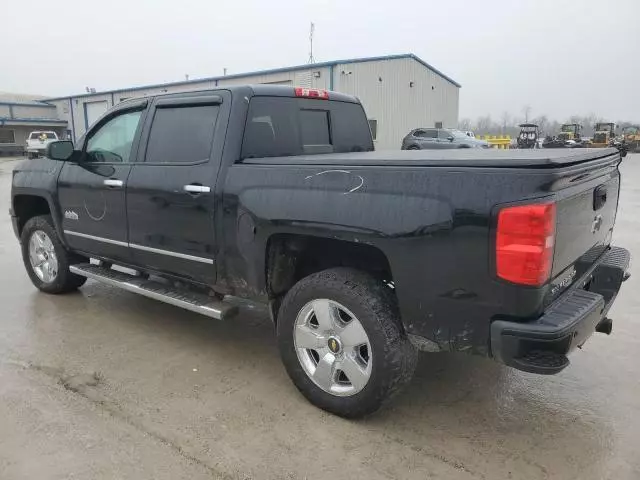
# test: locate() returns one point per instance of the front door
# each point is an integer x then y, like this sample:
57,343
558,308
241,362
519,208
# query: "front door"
170,192
92,191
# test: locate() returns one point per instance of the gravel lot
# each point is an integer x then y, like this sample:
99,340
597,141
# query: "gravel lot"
104,384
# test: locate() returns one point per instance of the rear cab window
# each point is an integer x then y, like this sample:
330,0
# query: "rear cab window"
287,126
39,135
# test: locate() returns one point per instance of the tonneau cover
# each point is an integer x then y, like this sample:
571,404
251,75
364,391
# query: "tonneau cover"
463,157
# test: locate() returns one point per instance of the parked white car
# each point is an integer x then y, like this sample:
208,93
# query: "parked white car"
37,142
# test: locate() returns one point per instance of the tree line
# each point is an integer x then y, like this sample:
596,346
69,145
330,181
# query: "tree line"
507,124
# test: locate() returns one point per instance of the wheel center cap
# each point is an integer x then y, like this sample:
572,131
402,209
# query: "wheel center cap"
334,345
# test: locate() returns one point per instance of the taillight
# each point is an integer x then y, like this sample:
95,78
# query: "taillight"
312,93
524,243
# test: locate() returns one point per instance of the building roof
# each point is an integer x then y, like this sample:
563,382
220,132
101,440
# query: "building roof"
23,99
274,70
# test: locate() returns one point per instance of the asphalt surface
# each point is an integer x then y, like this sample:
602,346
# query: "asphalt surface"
104,384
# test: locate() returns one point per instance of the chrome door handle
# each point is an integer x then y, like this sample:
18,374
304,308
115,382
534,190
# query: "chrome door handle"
113,182
196,189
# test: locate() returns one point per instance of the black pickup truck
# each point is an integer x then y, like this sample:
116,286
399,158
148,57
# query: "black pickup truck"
276,194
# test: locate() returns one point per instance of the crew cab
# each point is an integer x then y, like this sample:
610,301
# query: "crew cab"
275,194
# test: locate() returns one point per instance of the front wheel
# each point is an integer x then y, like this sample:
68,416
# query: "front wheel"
45,258
342,342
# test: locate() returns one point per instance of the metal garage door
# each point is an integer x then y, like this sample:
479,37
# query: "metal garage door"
93,111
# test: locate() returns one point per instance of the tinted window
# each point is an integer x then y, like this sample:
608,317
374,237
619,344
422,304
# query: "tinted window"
34,135
182,134
314,127
373,126
7,136
284,126
444,134
426,133
112,141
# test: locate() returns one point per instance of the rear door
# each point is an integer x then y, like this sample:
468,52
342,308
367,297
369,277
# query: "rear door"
170,202
92,192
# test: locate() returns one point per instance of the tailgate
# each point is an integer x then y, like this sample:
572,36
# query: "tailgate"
584,226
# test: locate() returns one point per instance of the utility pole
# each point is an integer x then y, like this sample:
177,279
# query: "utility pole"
311,30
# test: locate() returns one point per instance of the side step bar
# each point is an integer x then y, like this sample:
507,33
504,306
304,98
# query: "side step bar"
193,301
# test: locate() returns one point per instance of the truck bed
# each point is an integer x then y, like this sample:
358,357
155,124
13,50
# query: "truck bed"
463,157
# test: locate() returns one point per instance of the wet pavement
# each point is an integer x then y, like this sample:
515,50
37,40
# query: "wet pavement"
105,384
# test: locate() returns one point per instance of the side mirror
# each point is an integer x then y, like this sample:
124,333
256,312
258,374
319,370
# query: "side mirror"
450,138
61,150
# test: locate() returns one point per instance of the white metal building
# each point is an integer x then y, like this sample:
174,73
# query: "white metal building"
22,114
399,93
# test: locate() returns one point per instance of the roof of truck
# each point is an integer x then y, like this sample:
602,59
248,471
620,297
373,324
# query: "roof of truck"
261,90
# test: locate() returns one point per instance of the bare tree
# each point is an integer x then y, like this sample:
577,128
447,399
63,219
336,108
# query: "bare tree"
543,122
464,124
506,121
484,124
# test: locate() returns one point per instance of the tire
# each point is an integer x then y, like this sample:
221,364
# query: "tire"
63,280
390,362
413,147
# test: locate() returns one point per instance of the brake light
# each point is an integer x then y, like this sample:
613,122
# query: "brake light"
312,93
524,243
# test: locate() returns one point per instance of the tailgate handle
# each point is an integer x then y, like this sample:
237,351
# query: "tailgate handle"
599,197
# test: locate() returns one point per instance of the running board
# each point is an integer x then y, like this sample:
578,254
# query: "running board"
193,301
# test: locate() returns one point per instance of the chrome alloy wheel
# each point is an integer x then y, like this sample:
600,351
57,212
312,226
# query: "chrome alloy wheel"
332,347
42,256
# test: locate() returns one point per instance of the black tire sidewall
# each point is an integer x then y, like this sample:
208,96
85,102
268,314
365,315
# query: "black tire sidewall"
374,305
65,281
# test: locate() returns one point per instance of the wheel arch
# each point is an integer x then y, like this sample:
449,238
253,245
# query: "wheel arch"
26,206
291,257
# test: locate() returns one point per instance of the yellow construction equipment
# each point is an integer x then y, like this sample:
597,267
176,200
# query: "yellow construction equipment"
603,135
631,137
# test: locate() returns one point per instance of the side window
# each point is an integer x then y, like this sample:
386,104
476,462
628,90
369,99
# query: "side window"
182,134
373,126
112,142
429,133
444,134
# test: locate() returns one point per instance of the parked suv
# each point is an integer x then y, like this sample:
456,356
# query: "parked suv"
37,142
440,138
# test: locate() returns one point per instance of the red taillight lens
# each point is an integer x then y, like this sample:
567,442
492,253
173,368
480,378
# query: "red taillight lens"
312,93
524,243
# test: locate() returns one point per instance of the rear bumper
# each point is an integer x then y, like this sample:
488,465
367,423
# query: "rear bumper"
541,346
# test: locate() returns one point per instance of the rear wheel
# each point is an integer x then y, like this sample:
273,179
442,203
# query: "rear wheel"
45,258
342,343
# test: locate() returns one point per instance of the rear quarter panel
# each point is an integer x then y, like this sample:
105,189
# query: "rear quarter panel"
433,224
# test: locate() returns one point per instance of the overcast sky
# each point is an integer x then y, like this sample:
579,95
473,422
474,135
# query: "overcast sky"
560,57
